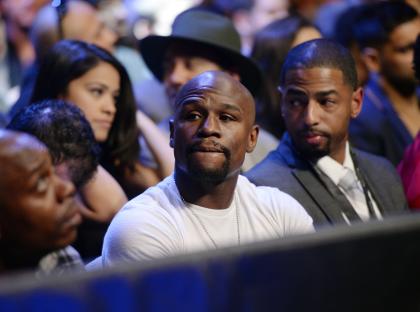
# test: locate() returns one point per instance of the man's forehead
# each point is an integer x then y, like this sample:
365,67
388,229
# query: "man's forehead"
22,151
214,83
217,80
315,75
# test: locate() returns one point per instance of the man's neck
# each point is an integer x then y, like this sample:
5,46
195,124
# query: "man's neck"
206,194
396,95
406,106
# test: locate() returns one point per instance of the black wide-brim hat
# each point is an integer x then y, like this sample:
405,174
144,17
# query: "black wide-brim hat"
212,31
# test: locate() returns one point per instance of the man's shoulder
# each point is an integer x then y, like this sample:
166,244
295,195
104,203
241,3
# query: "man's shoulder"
60,261
155,199
268,171
372,161
261,192
270,203
378,169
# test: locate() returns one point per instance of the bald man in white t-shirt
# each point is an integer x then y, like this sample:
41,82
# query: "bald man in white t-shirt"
205,204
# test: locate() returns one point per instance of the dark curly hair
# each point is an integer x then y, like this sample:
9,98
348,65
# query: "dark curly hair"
63,128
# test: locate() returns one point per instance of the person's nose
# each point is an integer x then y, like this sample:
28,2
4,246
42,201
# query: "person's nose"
312,112
109,106
210,127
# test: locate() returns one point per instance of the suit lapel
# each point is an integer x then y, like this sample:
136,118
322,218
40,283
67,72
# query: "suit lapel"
320,195
325,194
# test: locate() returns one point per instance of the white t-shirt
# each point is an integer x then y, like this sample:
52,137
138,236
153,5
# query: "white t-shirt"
158,222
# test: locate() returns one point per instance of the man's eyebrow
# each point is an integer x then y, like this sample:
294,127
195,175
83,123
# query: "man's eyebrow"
228,106
326,93
293,91
34,172
40,165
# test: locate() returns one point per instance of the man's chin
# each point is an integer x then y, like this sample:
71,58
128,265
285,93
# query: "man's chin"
208,174
313,152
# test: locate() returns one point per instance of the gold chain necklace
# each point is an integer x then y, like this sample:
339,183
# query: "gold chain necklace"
205,228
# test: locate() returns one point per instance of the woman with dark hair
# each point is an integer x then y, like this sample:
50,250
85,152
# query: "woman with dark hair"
271,46
96,82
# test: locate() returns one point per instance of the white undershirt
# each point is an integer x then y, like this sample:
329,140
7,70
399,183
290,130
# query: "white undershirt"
159,223
335,171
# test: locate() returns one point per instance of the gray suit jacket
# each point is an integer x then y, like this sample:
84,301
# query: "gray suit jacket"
285,169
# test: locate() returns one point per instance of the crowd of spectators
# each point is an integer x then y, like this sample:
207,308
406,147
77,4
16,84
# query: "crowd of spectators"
248,120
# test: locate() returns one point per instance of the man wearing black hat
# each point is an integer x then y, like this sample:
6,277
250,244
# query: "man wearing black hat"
202,41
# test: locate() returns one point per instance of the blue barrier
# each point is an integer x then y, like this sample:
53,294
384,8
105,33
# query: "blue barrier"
368,267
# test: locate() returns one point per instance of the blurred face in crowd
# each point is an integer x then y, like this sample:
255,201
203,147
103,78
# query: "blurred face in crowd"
181,64
396,57
305,34
213,127
21,12
317,105
82,22
96,93
38,209
266,11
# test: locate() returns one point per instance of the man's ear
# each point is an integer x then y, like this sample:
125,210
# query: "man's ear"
171,129
370,56
235,75
281,93
356,102
253,138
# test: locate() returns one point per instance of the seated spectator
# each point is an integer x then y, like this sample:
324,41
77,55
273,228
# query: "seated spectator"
38,212
390,117
205,204
69,138
409,167
314,161
92,79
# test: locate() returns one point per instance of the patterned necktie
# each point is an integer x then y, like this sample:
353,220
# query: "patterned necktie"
351,188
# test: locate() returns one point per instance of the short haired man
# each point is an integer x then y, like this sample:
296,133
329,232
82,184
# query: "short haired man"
65,131
314,162
390,117
202,41
38,213
206,204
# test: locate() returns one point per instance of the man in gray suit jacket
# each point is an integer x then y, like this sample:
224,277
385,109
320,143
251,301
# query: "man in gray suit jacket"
314,162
